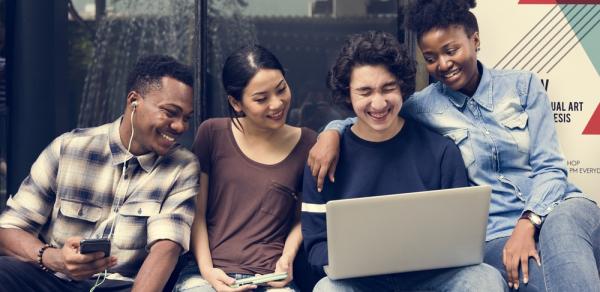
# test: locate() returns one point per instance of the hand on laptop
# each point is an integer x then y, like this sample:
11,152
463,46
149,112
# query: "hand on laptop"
284,264
220,281
517,251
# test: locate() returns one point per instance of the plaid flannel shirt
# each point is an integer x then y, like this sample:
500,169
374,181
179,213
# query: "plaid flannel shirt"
73,183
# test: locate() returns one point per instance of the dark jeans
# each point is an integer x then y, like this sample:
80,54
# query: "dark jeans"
16,275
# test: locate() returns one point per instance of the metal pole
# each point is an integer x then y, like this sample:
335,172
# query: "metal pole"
201,63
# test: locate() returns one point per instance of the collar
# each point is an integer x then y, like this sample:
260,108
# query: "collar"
119,153
483,95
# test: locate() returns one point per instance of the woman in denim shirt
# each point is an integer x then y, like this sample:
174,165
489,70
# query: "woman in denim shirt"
542,232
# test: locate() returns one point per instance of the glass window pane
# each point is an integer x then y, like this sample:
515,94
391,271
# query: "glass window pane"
306,37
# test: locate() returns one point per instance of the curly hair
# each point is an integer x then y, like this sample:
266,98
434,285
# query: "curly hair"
424,15
149,70
371,48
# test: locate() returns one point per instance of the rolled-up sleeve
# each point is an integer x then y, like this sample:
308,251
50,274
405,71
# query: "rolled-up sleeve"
30,208
175,218
340,125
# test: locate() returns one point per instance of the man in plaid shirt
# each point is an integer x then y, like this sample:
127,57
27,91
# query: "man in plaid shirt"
86,184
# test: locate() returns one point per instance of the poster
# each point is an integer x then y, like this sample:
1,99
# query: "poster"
560,42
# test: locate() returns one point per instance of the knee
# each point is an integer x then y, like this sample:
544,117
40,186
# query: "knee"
483,277
192,283
572,215
325,285
575,209
12,269
10,264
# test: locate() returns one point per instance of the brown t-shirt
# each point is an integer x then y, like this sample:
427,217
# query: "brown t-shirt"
251,206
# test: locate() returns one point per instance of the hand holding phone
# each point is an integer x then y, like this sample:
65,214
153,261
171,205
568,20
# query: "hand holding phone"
262,279
95,245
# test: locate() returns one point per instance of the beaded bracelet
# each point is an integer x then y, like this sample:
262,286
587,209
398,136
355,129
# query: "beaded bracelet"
39,257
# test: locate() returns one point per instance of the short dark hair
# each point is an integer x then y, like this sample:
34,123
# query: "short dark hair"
241,66
424,15
148,71
371,48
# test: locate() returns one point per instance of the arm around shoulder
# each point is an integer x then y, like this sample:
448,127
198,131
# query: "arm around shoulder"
454,173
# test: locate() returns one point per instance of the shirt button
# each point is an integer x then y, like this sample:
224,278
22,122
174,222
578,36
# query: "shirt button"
140,211
501,177
125,177
487,132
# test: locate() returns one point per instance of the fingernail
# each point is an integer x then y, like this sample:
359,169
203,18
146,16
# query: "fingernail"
509,285
517,286
525,280
319,190
333,179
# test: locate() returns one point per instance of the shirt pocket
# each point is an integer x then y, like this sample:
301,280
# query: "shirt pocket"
131,230
75,219
461,139
517,127
279,202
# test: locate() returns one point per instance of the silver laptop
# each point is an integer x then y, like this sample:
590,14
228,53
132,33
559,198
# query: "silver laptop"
406,232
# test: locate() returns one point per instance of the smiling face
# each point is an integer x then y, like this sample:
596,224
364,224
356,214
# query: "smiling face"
161,116
451,57
265,100
376,100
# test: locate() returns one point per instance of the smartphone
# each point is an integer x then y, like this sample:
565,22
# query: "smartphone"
260,279
95,245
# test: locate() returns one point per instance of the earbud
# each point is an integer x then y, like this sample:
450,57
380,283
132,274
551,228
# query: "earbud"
134,104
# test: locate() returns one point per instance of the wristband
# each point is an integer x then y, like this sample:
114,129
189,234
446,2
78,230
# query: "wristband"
39,257
535,219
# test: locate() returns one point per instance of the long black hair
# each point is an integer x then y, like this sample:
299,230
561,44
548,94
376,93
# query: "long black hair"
240,67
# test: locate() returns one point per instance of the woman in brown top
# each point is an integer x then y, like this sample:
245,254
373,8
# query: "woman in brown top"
247,219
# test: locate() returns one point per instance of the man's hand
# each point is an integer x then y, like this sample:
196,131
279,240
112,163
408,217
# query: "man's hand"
323,157
220,281
74,265
284,264
517,251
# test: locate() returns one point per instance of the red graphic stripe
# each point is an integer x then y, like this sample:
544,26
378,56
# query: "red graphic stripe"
559,1
593,126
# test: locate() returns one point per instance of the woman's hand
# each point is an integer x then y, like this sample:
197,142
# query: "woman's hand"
323,157
517,251
221,282
284,264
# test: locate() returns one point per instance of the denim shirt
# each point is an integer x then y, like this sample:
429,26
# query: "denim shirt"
506,135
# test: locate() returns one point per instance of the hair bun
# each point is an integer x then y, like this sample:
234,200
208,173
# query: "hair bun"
463,4
423,15
451,6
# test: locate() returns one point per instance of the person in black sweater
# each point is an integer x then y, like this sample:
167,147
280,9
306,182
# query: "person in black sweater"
383,153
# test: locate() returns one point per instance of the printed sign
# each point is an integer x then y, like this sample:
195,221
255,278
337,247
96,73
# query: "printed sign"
560,42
